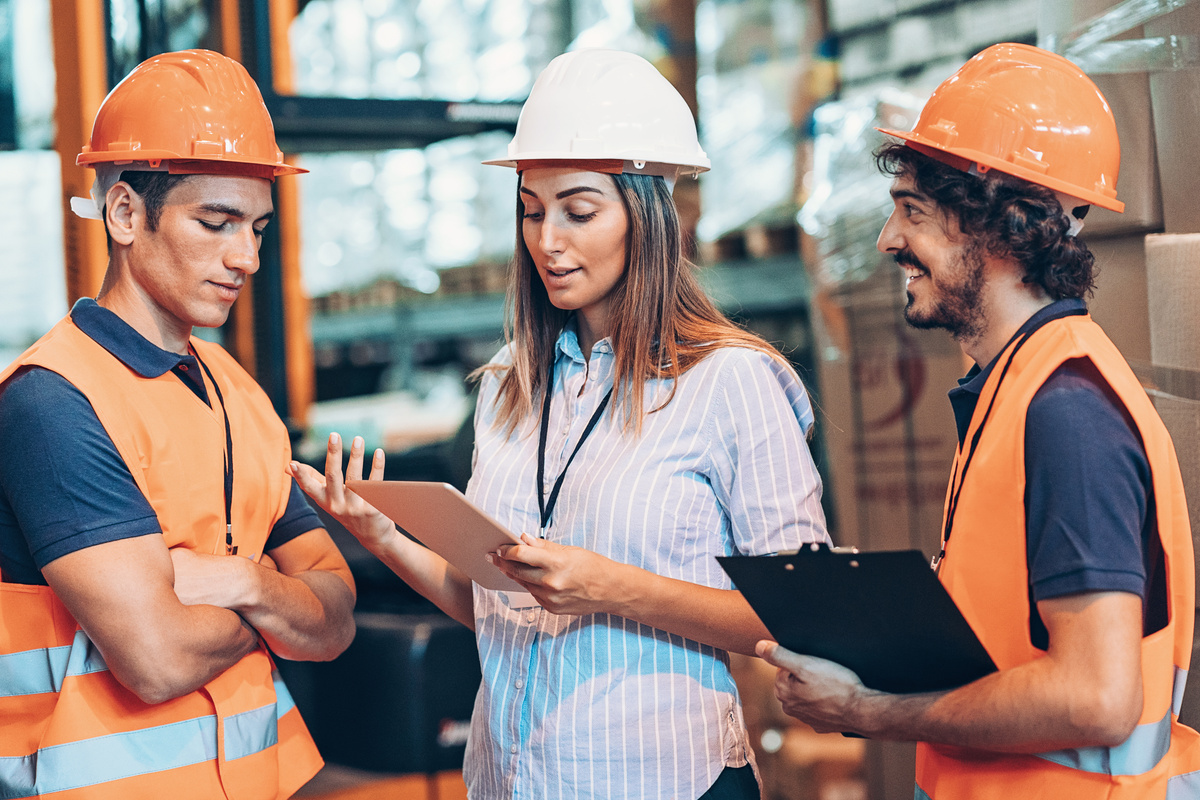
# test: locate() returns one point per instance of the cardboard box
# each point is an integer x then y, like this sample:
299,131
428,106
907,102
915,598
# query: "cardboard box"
1175,98
1128,95
888,426
1120,305
1138,185
1173,283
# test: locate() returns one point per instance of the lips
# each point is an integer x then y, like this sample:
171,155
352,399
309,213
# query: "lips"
558,277
228,291
912,266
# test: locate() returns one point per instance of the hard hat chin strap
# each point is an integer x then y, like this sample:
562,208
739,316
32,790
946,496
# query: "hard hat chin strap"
107,175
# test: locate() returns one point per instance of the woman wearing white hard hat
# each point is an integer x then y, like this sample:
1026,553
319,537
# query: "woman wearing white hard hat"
635,434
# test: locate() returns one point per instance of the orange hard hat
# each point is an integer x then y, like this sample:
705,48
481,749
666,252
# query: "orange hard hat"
1029,113
197,110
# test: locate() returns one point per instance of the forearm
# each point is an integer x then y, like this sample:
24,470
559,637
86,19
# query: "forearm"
1085,691
430,575
304,617
1026,709
170,661
718,617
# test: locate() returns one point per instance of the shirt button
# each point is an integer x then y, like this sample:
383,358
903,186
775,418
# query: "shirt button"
531,616
183,367
519,683
514,749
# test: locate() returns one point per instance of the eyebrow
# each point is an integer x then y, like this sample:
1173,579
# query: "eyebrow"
565,192
232,211
909,194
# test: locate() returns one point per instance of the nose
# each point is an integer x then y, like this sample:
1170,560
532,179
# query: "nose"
550,240
890,239
243,252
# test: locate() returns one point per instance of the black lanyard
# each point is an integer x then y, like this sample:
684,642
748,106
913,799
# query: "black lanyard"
960,475
544,505
230,550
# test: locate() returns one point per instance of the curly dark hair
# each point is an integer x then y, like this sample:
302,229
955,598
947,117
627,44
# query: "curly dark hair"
1009,217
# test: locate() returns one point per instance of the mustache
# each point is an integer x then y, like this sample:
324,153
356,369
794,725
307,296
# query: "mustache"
906,258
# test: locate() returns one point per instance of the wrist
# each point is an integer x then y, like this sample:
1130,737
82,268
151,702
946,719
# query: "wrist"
624,592
246,584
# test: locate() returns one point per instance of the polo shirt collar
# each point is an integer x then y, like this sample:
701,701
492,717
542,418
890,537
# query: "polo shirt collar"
127,345
964,396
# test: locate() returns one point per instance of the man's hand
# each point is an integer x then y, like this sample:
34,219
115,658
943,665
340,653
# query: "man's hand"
821,693
563,579
202,579
122,594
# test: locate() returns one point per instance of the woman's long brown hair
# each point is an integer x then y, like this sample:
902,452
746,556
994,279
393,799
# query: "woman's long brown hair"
661,323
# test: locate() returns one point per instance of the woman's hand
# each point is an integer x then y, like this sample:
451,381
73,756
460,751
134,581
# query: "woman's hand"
329,491
563,579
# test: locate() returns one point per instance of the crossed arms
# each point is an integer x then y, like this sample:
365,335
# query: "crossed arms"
168,621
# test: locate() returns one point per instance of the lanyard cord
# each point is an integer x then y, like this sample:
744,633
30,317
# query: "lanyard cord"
546,507
230,550
961,475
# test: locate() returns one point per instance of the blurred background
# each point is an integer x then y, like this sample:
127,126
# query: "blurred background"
382,284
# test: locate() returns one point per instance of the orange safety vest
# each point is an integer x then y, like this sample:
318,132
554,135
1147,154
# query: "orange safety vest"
985,571
68,729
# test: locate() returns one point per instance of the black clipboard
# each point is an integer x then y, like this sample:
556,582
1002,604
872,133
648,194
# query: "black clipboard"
884,615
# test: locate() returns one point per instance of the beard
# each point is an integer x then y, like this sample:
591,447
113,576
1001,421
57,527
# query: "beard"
955,303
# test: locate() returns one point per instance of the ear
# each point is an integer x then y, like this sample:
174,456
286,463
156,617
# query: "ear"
124,213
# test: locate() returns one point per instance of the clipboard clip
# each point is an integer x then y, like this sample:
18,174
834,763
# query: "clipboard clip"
816,546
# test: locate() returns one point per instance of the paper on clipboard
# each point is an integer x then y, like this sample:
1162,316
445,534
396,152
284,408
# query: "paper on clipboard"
883,615
440,517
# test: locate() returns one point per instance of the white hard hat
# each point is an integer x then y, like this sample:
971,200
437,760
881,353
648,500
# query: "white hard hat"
607,106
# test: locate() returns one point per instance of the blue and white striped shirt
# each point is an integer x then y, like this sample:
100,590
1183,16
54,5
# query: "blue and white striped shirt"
600,706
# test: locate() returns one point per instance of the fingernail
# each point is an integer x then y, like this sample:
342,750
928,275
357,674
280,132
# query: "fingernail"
334,438
358,442
294,467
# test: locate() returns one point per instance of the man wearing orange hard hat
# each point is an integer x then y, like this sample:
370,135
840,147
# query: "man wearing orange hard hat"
152,543
1065,541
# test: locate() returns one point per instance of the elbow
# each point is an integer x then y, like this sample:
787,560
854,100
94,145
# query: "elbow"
327,645
339,640
1110,718
151,686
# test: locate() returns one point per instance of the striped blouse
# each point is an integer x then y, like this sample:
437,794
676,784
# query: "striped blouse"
600,706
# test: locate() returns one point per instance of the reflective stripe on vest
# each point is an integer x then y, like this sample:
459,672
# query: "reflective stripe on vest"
1140,753
43,670
126,755
1184,787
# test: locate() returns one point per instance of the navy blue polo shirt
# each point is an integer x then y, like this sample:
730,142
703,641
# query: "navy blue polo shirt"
1088,491
63,485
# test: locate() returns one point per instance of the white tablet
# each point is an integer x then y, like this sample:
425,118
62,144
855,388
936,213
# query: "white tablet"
444,520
